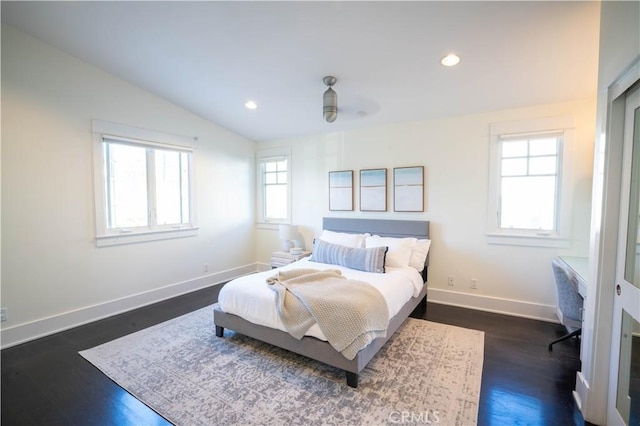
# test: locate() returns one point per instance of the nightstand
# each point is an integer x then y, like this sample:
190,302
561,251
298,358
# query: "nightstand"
281,258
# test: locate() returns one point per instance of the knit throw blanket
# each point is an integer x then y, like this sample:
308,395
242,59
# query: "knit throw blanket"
350,313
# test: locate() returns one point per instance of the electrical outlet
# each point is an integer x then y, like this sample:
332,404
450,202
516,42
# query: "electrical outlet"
474,283
4,314
451,280
205,267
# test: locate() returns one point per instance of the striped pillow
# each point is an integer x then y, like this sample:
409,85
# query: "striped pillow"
362,259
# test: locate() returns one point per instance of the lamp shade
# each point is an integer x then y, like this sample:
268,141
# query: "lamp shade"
288,232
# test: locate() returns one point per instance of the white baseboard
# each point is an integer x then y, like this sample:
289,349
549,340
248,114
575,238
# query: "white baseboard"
32,330
582,391
263,267
498,305
25,332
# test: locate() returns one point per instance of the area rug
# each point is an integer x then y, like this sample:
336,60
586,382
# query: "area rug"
428,373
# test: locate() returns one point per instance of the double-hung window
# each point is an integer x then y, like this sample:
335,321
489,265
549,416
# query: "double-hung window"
274,186
143,188
530,183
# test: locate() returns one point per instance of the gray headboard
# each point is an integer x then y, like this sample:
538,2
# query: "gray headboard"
382,227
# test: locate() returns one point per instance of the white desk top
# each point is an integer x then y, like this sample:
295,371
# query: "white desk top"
579,266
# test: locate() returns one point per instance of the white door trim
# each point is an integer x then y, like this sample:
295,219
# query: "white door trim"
593,380
624,301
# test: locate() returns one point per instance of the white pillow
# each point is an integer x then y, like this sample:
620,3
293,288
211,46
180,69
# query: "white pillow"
419,254
399,252
343,238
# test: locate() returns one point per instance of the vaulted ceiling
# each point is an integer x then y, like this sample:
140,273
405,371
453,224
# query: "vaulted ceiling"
211,57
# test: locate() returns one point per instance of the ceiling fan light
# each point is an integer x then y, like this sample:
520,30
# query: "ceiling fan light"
330,100
330,105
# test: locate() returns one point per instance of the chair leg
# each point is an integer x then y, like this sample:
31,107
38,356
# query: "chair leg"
578,332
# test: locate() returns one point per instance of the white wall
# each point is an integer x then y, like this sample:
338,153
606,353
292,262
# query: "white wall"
53,276
454,151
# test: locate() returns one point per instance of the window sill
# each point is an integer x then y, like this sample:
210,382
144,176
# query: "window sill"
529,240
270,225
142,237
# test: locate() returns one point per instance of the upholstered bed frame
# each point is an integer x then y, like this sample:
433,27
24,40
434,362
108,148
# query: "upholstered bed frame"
321,350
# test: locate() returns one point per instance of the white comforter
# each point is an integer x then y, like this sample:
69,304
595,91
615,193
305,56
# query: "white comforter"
251,298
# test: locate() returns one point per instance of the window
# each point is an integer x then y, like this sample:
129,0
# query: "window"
143,187
529,178
273,184
146,187
530,183
274,178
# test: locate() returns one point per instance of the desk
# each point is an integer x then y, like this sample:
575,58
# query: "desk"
578,267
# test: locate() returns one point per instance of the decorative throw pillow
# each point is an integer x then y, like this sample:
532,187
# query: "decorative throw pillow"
362,259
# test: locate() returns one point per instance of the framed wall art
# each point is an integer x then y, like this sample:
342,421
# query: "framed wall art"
373,190
341,190
408,189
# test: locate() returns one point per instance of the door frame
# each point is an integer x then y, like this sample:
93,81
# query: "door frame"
592,382
623,301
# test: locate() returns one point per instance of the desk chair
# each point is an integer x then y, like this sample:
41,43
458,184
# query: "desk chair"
569,310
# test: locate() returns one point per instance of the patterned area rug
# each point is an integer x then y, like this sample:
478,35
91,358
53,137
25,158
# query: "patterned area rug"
428,373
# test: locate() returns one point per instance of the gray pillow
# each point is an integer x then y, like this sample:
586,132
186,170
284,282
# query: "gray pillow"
363,259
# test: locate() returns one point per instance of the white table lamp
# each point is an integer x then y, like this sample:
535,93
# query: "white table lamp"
288,233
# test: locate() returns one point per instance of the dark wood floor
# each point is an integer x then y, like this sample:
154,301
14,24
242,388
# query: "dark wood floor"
46,382
522,382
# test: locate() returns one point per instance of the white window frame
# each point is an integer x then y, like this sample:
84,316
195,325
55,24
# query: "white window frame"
560,237
261,157
103,131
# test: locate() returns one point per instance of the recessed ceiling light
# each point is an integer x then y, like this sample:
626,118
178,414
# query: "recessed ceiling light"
450,60
251,105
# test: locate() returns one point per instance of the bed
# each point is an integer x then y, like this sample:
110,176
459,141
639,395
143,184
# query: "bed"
314,346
